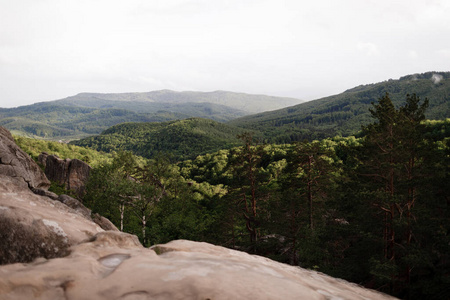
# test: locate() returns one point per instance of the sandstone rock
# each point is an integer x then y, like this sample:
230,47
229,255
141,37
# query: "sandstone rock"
79,208
45,193
113,265
55,168
104,223
33,226
76,205
72,173
42,159
14,162
78,176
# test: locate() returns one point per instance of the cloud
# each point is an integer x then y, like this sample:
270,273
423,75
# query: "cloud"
412,54
369,49
444,52
51,49
436,78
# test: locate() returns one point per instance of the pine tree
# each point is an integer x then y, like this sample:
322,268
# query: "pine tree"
390,160
309,181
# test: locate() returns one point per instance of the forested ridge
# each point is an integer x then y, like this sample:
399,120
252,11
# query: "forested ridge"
371,209
58,121
181,139
87,114
343,114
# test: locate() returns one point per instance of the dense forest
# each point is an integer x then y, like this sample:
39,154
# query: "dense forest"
372,209
181,139
67,122
344,113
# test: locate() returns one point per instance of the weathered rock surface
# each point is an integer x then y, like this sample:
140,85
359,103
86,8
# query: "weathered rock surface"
103,222
14,162
72,173
79,208
33,226
32,223
113,265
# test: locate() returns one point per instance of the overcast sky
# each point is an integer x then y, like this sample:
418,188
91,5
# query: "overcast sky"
52,49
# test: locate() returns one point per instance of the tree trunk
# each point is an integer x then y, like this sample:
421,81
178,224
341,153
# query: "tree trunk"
310,195
122,211
144,223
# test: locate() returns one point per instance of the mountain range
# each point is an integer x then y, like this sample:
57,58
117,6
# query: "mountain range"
274,119
91,113
169,100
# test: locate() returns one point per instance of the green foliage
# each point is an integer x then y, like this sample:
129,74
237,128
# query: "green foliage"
34,147
183,139
352,201
343,114
339,232
149,199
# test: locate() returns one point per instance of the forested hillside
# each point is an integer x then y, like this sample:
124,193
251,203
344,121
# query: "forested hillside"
34,147
90,113
57,121
343,114
180,139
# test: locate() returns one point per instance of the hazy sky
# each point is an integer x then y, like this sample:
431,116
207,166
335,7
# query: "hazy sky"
51,49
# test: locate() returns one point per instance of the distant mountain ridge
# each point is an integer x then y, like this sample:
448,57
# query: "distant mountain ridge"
247,103
91,113
345,113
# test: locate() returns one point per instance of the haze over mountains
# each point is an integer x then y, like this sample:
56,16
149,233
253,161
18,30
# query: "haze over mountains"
246,103
91,113
276,119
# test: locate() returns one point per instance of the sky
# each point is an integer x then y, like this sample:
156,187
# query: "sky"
52,49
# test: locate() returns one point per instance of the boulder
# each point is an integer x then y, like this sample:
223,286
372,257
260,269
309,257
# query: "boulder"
113,265
72,173
77,176
103,222
42,159
14,162
76,205
33,226
35,222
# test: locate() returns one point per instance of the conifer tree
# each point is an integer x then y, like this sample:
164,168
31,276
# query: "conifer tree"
390,161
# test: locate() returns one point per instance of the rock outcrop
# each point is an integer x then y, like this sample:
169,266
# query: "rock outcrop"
113,265
35,222
72,173
14,162
33,226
